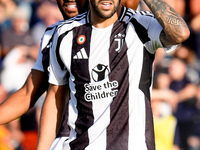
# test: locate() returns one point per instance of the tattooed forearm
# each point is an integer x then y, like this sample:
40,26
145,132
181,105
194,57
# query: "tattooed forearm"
172,23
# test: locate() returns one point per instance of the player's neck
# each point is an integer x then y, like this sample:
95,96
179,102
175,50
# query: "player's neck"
99,22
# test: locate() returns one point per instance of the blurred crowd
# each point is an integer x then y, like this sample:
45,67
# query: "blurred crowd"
176,85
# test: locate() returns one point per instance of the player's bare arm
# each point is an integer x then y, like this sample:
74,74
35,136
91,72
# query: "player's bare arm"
175,28
22,100
51,116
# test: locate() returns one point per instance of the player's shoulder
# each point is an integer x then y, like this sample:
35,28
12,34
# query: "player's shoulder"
66,24
75,21
54,26
139,12
128,14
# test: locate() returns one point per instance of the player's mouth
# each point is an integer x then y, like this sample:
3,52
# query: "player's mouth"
106,5
70,6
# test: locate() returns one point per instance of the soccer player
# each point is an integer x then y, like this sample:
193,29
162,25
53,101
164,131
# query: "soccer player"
106,56
23,99
36,84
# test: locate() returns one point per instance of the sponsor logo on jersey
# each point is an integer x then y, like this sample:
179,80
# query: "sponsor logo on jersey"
81,39
101,88
99,72
81,54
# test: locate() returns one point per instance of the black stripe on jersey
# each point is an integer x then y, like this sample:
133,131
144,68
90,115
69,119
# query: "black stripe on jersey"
121,17
54,26
145,83
81,16
46,50
45,56
146,74
144,86
147,61
78,18
49,28
126,13
71,20
45,59
80,70
117,131
149,129
140,30
147,13
57,49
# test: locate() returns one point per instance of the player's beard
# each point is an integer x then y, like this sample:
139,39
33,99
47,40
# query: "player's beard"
100,13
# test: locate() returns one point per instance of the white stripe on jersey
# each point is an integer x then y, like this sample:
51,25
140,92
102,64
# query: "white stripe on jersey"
100,41
137,107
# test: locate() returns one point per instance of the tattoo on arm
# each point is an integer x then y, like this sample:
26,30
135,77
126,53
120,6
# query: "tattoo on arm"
167,13
170,20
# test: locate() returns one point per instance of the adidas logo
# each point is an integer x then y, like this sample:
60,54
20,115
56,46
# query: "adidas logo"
81,54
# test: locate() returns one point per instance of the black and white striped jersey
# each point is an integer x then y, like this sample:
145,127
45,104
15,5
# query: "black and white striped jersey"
42,64
43,54
109,71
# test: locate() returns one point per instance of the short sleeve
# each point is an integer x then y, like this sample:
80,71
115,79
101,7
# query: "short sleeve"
57,74
38,64
44,49
154,30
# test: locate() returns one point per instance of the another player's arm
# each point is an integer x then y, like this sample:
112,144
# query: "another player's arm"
175,29
22,100
51,116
